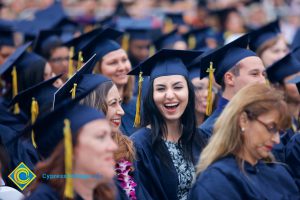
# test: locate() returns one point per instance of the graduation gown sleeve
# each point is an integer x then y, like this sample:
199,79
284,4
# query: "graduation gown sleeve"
293,157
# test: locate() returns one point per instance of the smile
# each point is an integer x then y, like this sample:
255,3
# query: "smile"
171,106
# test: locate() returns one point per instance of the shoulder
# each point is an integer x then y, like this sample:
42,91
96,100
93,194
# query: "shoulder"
141,137
43,191
208,124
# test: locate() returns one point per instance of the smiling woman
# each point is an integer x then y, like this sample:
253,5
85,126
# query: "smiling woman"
169,144
237,163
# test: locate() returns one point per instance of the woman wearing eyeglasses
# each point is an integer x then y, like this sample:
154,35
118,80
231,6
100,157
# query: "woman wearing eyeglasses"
238,163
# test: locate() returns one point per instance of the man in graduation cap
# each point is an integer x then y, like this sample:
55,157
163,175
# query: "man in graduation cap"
233,67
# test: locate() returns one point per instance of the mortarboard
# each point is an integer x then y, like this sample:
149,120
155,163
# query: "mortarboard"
224,58
295,80
139,33
42,92
69,89
102,44
284,67
263,34
168,39
175,17
194,70
196,38
6,34
166,62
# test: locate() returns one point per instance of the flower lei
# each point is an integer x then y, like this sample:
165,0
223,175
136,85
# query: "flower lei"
123,168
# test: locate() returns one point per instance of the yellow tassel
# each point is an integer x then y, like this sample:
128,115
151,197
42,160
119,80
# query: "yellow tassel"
80,60
15,88
168,25
125,42
71,68
209,105
151,50
192,42
137,119
34,114
73,91
68,159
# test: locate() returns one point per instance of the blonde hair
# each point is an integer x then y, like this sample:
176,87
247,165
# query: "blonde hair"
269,43
255,99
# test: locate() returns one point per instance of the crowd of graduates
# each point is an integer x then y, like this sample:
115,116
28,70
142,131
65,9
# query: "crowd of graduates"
164,106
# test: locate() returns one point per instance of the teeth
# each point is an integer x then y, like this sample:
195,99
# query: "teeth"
171,104
116,120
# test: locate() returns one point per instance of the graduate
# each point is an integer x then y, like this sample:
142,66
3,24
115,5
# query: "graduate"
233,67
237,162
268,43
279,74
74,139
168,144
113,62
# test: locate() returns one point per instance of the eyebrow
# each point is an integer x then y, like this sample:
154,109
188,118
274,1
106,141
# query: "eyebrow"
163,85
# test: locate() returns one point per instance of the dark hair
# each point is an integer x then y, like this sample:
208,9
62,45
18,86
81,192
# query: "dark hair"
158,125
235,70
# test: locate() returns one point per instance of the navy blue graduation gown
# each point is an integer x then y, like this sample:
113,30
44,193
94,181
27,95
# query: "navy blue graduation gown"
127,127
225,180
207,126
160,181
293,156
45,192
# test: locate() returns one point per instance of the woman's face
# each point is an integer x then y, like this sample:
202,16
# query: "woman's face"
47,72
115,65
170,95
201,90
114,111
260,136
275,52
95,149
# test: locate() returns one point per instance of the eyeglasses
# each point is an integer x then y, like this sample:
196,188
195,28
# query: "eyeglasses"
272,130
59,59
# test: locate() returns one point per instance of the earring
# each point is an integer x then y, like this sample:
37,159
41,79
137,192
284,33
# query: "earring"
242,129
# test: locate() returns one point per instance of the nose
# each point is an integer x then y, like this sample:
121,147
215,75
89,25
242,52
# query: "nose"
169,94
262,79
276,138
120,110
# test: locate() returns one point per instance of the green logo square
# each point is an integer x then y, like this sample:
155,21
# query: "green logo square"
22,176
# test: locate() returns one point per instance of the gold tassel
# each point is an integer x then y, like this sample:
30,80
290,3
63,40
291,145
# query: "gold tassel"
192,42
68,193
15,89
137,119
71,68
125,42
151,50
73,91
168,25
80,60
34,114
209,105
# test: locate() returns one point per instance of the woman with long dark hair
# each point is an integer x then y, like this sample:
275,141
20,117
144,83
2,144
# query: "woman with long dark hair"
168,143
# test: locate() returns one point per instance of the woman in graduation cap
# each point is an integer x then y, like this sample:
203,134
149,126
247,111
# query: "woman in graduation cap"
76,144
113,63
168,144
268,43
237,163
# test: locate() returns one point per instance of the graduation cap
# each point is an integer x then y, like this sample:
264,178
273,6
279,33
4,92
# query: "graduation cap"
194,70
36,99
175,17
295,80
263,34
6,34
69,89
168,39
165,62
102,44
196,38
139,33
63,123
284,67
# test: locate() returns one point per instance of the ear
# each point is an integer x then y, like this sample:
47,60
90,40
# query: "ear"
243,120
229,79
